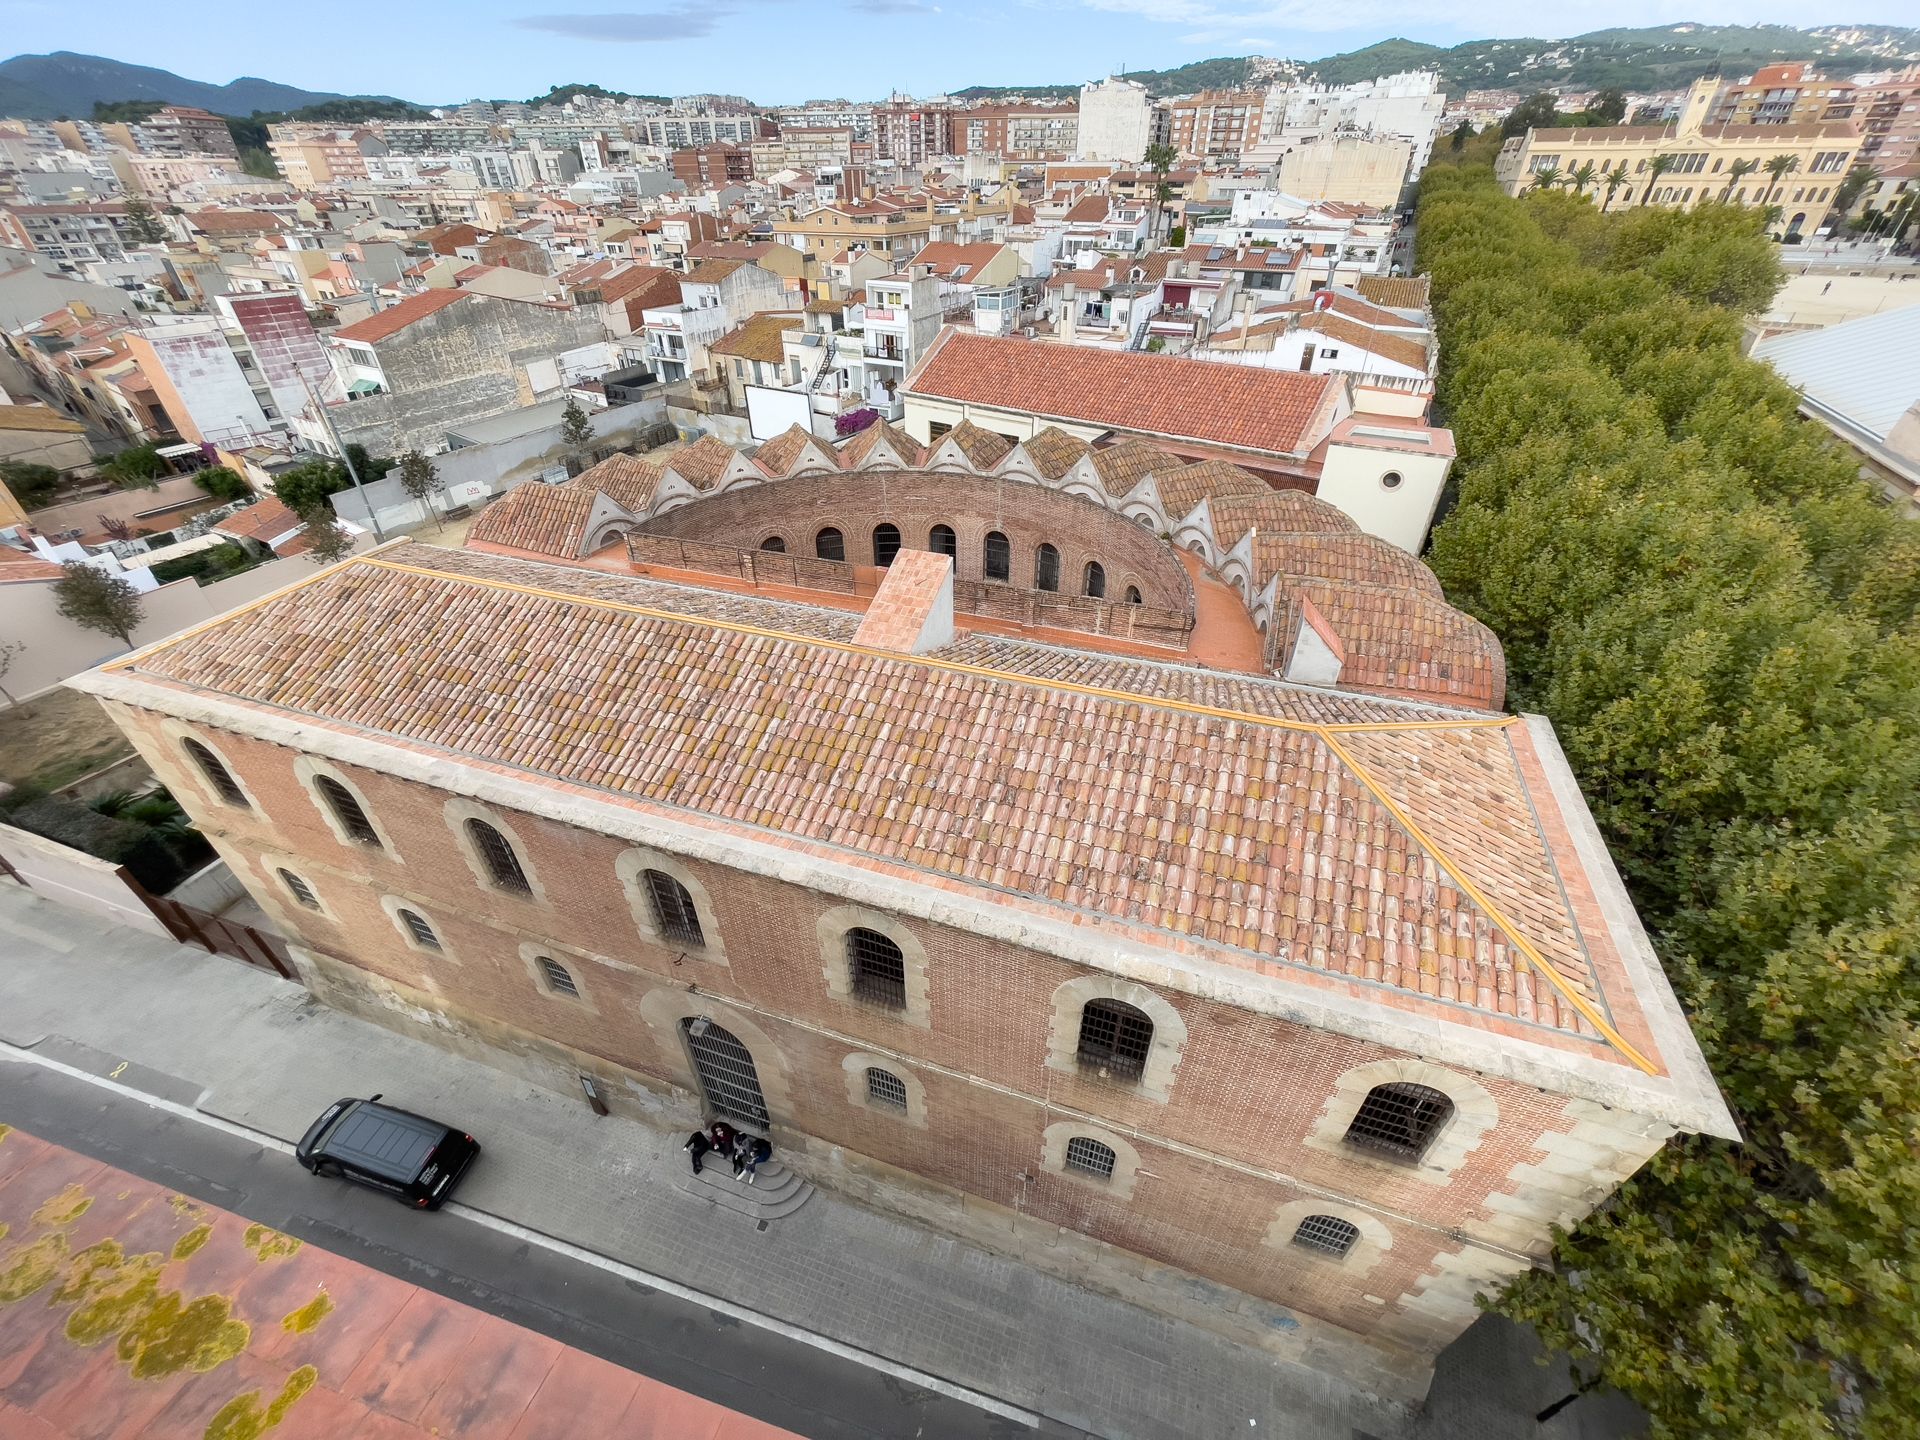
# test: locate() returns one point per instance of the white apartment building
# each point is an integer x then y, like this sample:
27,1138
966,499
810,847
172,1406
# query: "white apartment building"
1408,105
678,132
1116,121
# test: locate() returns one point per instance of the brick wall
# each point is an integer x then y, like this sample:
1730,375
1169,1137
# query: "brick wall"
1027,514
1217,1172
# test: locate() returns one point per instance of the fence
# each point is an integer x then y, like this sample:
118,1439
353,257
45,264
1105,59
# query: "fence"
218,935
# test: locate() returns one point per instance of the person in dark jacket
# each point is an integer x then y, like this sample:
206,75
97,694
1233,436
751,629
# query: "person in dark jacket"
696,1147
749,1152
722,1135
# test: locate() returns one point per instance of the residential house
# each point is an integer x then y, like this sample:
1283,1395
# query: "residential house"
752,354
715,296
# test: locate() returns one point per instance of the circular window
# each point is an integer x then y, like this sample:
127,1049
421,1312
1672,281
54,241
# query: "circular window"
1390,480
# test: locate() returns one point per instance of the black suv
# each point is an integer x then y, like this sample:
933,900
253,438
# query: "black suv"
416,1160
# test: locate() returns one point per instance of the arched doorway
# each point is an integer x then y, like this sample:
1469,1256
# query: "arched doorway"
728,1081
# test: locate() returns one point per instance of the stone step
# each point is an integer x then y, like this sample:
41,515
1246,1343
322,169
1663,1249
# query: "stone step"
776,1191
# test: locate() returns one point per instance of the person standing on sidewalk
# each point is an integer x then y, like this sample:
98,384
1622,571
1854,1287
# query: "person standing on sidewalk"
696,1147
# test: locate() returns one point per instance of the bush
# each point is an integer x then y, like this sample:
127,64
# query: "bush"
854,421
149,856
214,563
222,483
32,485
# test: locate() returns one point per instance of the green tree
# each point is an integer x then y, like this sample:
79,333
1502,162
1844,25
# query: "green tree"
1583,175
142,223
95,600
1778,168
1462,133
328,542
419,479
1608,106
1546,177
137,468
222,483
306,488
1656,167
1536,112
32,485
1736,172
1849,191
576,433
1159,160
1615,179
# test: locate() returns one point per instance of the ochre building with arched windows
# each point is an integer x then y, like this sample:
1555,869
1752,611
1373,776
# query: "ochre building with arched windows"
1104,856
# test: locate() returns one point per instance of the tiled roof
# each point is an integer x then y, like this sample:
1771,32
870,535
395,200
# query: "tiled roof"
1397,348
757,337
983,448
1340,304
1284,510
264,520
1402,641
1274,842
1090,211
1354,558
395,318
1054,452
1206,400
703,462
627,480
945,257
38,417
18,565
861,445
712,272
779,454
234,222
1398,292
546,519
1123,466
1186,487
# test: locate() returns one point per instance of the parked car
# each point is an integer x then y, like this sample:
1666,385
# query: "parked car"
416,1160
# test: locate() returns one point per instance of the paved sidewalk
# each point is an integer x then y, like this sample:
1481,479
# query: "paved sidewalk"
243,1045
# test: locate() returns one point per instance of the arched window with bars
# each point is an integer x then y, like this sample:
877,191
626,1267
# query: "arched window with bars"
217,775
497,854
996,556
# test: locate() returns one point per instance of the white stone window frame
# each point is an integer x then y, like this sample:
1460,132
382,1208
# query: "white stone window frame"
458,811
856,1066
394,904
308,769
631,868
1070,1000
664,1008
1126,1159
531,954
1475,1112
831,929
1372,1245
284,898
179,734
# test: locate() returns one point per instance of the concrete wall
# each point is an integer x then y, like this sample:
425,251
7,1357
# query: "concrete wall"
161,508
57,648
212,888
475,473
63,450
285,346
75,878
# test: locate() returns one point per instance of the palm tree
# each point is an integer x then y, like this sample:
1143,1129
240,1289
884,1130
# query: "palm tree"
1160,160
1736,172
1854,186
1584,174
1656,167
1615,178
1546,178
1778,168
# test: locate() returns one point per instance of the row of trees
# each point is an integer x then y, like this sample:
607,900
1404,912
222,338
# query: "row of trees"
1720,619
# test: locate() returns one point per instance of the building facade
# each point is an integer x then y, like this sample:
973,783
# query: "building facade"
1093,959
1116,121
1216,124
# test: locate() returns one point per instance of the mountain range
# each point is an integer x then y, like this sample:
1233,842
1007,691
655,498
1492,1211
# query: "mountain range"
47,87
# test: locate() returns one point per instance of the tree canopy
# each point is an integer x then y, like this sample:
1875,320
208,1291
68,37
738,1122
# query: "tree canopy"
94,599
1699,590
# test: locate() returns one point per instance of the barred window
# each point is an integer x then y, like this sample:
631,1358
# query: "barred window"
674,914
1133,594
300,890
1114,1039
347,811
774,545
559,979
886,1088
886,544
1400,1120
1090,1157
419,929
502,864
878,969
829,544
997,556
942,541
1328,1234
1046,568
1093,581
218,776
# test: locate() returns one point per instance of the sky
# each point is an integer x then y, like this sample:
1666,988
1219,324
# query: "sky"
784,51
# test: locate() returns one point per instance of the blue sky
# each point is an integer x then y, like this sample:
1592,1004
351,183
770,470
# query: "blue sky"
788,50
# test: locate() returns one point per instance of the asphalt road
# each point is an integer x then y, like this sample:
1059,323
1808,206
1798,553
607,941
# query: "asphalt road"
757,1372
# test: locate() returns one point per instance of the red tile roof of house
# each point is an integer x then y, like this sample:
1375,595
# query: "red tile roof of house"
264,520
19,565
395,318
946,258
38,417
1279,411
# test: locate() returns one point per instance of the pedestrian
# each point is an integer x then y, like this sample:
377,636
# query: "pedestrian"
1826,287
696,1147
750,1152
721,1136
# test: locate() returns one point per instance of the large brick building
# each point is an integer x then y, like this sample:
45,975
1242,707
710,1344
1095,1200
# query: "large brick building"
1141,876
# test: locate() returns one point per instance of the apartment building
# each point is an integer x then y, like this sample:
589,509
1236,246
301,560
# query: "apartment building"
310,156
1887,109
1116,121
689,131
894,229
71,235
178,130
1017,131
1216,124
1791,94
907,131
1700,161
705,167
801,148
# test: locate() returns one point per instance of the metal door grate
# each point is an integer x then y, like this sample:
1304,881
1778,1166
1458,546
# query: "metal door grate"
726,1072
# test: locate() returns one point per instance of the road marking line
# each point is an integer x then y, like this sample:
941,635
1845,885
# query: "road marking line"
905,1373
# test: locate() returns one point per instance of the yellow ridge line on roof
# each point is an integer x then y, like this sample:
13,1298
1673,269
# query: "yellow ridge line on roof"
1526,947
955,667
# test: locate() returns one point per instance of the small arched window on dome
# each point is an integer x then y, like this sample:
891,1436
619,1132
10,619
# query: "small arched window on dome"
942,541
1046,568
774,545
829,544
1133,594
1093,582
996,556
886,544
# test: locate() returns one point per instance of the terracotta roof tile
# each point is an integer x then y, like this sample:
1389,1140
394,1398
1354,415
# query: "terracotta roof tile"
1351,558
545,519
1183,489
1206,400
40,418
1268,841
1054,452
1398,292
264,520
18,565
757,337
395,318
1400,349
701,463
1401,641
1289,510
1123,466
627,480
861,445
779,455
984,449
